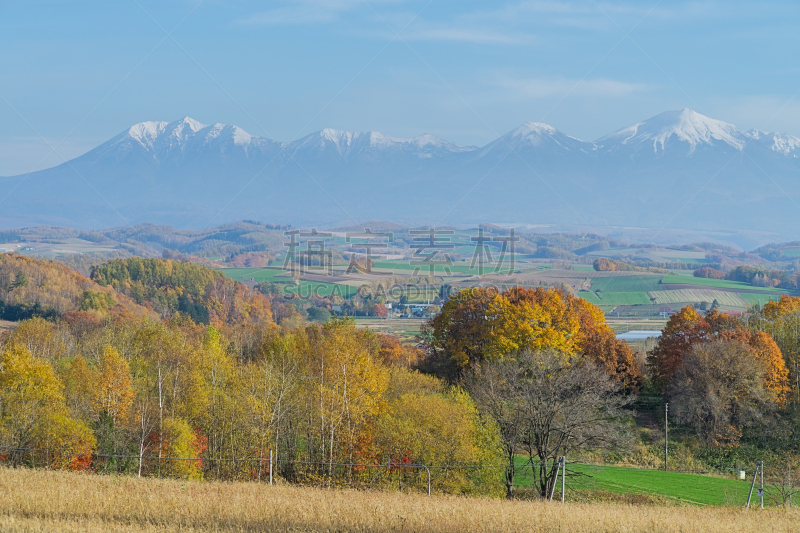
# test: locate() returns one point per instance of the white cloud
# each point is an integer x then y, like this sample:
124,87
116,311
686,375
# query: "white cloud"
306,12
533,88
468,35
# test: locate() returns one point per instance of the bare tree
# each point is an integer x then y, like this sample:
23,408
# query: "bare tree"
718,389
783,479
495,388
549,407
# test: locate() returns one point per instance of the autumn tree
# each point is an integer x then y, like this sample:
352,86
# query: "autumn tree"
347,388
33,415
459,335
114,393
787,305
438,427
477,325
719,388
688,328
393,353
532,319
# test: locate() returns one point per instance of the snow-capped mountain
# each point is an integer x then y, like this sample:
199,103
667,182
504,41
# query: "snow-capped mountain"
677,169
679,130
161,142
538,137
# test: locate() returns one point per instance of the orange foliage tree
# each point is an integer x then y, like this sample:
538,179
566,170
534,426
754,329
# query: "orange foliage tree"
687,328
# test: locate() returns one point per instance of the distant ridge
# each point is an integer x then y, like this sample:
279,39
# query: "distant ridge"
373,225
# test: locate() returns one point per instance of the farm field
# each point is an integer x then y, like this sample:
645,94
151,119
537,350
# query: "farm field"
63,501
725,298
404,328
617,291
630,283
258,274
616,298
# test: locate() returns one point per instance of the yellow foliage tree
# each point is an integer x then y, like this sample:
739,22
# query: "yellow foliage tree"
439,428
787,305
347,389
33,415
532,319
114,391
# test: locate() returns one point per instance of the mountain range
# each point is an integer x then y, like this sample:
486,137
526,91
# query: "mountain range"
679,169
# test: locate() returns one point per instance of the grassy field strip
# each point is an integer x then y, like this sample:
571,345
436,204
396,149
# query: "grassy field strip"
62,501
731,299
690,488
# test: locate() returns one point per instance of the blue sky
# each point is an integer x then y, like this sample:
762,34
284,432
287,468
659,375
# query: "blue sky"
74,73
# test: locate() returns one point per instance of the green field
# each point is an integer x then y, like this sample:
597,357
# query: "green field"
632,283
689,488
616,298
258,274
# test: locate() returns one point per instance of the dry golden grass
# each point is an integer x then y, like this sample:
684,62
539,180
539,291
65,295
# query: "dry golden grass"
63,501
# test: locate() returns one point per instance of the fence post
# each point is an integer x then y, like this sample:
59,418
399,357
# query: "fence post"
563,476
752,485
555,479
270,466
428,470
761,490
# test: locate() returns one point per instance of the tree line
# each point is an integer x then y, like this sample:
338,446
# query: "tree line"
533,373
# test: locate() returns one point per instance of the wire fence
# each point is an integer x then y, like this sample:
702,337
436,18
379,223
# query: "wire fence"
779,484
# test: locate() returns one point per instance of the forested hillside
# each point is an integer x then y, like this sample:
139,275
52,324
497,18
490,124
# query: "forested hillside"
133,287
168,286
29,287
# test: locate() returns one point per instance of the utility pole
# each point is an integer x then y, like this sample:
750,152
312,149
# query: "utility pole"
759,467
666,432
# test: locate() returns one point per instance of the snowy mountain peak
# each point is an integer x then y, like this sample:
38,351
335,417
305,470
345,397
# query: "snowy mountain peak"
684,125
534,128
186,127
145,133
778,142
341,139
